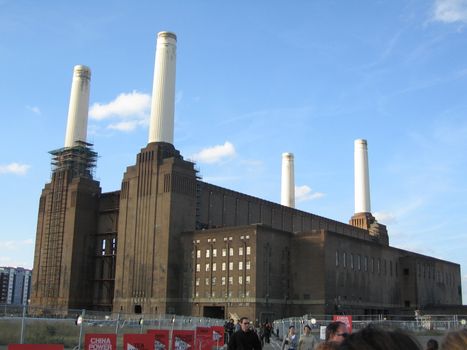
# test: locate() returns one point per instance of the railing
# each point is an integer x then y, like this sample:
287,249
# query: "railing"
23,324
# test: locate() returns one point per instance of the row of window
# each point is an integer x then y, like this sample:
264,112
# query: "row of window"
429,272
213,294
213,280
208,266
358,262
213,252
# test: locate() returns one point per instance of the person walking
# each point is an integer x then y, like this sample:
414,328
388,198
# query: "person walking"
291,340
307,340
245,338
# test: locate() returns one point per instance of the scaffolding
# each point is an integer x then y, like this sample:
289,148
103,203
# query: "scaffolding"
79,160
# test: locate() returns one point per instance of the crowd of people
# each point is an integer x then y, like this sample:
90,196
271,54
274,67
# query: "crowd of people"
242,336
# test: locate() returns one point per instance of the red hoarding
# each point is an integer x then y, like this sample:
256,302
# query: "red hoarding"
138,342
203,338
35,347
183,340
161,338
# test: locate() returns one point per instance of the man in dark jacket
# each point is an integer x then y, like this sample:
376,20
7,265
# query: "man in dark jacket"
245,338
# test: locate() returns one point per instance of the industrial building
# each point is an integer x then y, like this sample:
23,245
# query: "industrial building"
169,243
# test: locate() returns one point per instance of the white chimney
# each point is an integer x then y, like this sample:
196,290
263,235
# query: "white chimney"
79,104
288,180
362,178
161,127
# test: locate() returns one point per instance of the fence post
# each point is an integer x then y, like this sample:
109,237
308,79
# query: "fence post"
81,323
22,324
118,321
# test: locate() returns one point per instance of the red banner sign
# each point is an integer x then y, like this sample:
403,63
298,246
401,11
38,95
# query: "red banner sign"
35,347
182,340
161,338
347,319
100,342
138,342
217,335
203,338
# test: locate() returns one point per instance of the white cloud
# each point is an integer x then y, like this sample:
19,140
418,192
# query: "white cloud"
305,193
215,154
125,125
14,168
15,244
34,109
450,11
385,217
17,253
133,105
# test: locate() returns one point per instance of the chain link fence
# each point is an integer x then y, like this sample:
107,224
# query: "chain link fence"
426,324
22,324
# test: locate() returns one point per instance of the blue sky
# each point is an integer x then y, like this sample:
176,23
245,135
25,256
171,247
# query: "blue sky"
254,79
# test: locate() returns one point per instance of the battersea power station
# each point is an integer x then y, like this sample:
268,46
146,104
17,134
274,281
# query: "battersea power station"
168,243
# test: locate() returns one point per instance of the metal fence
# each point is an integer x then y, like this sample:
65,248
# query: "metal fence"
21,324
413,324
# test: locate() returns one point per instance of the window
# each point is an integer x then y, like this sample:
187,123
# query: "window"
198,267
197,294
248,265
230,280
248,250
378,266
247,279
231,252
365,263
223,280
224,252
240,279
372,265
351,261
223,266
344,259
214,280
214,266
198,253
240,265
197,281
240,251
208,267
206,281
359,266
231,266
208,253
337,258
214,253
